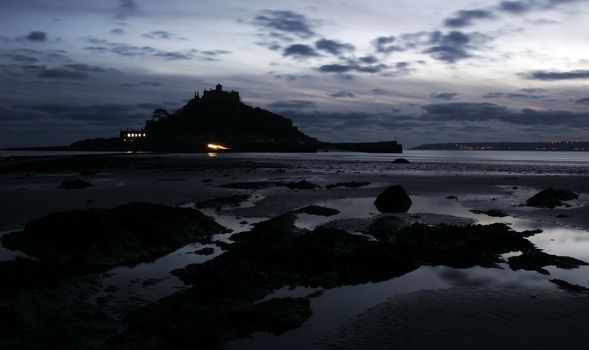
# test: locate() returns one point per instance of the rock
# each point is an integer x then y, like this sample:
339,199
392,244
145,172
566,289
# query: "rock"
569,287
562,216
386,227
95,240
301,185
316,210
75,184
152,281
205,251
536,260
181,321
401,161
551,198
350,184
87,172
393,200
111,289
515,188
493,212
233,200
452,197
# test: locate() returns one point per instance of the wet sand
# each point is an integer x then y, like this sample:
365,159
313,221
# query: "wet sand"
29,189
468,318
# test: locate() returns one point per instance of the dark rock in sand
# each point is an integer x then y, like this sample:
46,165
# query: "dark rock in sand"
301,185
386,227
26,274
393,200
401,161
75,184
349,184
95,240
152,282
452,197
257,185
87,172
275,253
551,198
493,212
569,287
233,200
205,251
316,210
536,260
562,216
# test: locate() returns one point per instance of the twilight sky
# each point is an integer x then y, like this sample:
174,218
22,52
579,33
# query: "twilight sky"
419,71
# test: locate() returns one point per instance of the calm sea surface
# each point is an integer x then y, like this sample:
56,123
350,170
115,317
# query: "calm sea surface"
578,158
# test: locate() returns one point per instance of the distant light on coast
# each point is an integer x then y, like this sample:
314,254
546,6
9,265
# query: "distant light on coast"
216,147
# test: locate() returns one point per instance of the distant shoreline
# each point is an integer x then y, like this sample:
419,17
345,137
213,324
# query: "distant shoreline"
556,146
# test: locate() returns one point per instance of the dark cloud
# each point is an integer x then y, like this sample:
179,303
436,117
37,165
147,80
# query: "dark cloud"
523,6
122,49
583,101
118,31
512,95
300,51
386,44
443,95
381,92
143,83
125,9
333,47
454,46
285,22
69,71
36,36
464,18
532,90
163,35
292,104
352,66
96,113
482,112
555,75
342,93
368,59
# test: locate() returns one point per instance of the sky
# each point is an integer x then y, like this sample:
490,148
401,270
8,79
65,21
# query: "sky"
416,71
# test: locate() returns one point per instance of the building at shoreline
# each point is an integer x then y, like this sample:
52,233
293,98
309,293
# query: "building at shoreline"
132,135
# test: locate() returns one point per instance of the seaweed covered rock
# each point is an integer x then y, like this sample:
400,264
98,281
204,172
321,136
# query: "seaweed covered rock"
551,198
393,200
95,240
536,260
75,184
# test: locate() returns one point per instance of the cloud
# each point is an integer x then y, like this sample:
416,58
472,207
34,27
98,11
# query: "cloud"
69,71
292,104
285,22
125,9
386,44
524,6
381,92
352,66
464,18
482,112
443,95
333,47
162,35
118,31
454,46
96,113
300,51
342,93
512,95
122,49
36,36
583,101
557,75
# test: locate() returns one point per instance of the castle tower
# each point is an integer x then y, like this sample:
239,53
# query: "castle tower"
219,88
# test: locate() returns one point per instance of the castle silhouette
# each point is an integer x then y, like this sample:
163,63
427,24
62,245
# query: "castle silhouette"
218,94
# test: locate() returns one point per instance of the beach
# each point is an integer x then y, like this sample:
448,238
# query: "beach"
355,310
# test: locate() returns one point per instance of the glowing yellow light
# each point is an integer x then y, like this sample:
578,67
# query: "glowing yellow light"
212,154
215,147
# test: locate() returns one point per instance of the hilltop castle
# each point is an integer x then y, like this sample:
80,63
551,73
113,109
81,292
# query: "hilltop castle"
218,94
